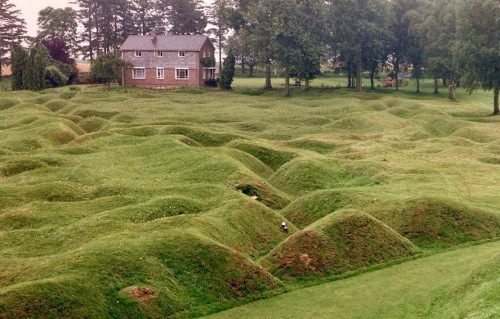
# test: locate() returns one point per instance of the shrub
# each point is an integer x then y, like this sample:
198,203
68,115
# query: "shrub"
212,82
54,77
208,62
227,75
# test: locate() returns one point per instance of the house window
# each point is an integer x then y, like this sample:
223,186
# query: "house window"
182,53
160,73
138,73
138,53
159,54
182,74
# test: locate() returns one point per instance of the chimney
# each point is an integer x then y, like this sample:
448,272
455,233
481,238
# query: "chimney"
153,36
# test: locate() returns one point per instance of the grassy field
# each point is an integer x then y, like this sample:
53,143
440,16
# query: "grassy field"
126,203
459,284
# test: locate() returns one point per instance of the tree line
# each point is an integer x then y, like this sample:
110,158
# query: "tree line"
454,42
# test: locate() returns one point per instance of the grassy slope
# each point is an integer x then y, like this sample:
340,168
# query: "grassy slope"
431,287
130,203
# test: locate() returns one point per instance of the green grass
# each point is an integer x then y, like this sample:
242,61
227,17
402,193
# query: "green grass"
129,203
457,284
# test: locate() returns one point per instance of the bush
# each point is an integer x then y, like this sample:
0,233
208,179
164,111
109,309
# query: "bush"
211,82
227,74
54,77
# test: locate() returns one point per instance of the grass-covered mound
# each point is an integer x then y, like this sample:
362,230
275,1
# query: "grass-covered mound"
307,209
132,204
431,222
342,241
180,270
309,174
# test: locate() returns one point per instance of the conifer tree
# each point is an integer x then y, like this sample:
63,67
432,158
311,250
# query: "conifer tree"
19,57
12,29
226,77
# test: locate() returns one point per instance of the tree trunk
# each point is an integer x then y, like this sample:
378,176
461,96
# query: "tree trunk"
0,70
349,78
397,74
359,70
287,83
250,70
436,86
418,85
220,53
242,65
307,84
451,89
496,111
268,77
372,76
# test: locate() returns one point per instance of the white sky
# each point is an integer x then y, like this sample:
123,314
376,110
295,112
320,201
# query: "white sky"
30,8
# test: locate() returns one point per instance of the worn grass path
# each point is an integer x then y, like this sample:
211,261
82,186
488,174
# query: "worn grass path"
415,289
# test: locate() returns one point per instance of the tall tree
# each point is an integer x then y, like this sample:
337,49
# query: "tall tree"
402,12
227,74
106,24
435,26
19,57
12,29
288,33
61,24
34,72
184,16
476,52
359,32
87,17
145,17
108,68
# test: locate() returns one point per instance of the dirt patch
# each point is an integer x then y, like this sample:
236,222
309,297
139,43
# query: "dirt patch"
141,294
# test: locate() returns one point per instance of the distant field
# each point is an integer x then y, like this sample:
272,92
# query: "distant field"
82,67
128,203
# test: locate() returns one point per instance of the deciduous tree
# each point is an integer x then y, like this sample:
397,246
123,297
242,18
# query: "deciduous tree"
107,68
476,52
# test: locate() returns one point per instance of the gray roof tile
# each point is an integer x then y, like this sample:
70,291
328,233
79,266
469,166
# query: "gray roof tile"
164,43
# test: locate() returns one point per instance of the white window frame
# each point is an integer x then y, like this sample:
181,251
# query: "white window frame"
159,54
138,53
177,74
182,54
134,76
160,73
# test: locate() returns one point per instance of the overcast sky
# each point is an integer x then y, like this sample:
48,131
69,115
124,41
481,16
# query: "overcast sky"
30,8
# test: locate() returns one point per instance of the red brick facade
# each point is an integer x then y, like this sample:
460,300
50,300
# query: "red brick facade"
164,68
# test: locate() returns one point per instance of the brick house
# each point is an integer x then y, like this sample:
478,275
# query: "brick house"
168,61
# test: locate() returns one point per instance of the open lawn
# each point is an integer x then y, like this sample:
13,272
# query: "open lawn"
459,284
128,203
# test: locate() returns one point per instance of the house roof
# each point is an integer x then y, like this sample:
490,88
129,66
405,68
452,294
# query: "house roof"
164,43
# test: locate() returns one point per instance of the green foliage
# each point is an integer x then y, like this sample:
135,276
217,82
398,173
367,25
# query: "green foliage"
54,77
12,29
129,203
107,69
19,58
208,62
226,77
476,52
34,72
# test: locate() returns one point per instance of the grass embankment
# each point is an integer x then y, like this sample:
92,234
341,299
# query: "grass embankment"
458,284
128,203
